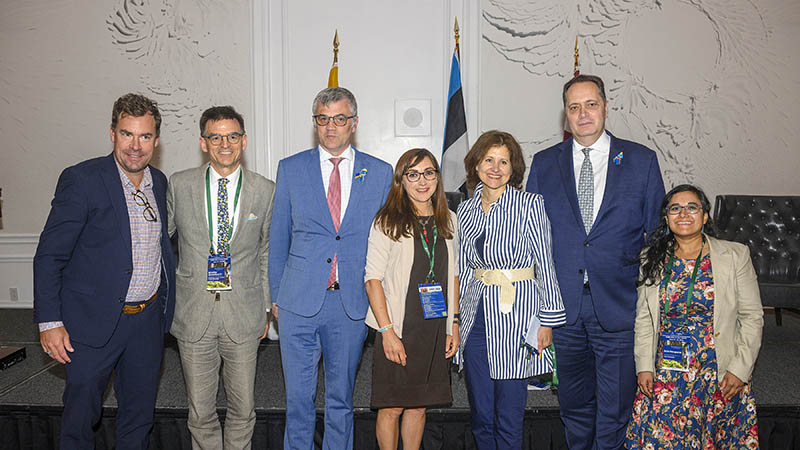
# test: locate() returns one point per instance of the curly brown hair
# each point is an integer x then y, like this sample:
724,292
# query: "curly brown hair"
489,139
135,105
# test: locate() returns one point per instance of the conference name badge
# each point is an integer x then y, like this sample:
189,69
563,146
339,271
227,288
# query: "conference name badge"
675,351
432,297
219,273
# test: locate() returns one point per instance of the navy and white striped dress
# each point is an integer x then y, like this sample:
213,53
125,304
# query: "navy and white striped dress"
514,235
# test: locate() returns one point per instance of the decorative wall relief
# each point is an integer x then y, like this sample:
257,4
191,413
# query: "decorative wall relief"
187,51
692,79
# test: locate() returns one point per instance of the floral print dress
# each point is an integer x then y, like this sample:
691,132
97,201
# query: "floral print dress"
687,410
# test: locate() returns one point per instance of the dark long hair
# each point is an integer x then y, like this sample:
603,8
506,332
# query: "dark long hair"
661,242
397,217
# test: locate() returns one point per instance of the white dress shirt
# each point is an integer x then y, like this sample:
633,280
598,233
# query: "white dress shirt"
345,173
233,181
599,158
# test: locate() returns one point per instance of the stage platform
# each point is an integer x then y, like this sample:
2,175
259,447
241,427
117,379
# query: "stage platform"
30,398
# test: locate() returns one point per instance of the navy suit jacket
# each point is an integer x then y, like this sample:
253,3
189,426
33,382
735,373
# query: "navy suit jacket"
83,264
634,192
303,239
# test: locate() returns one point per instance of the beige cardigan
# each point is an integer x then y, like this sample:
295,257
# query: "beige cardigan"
390,263
738,314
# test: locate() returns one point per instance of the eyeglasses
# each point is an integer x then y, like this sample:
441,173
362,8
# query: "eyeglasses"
149,213
339,120
216,139
691,208
413,176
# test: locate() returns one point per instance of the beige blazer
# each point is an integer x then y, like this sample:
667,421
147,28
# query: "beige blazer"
390,263
243,309
738,314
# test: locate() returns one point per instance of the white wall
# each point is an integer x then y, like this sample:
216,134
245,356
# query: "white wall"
389,52
62,65
711,86
64,62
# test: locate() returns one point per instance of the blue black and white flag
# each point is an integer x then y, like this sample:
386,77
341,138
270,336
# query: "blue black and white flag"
455,132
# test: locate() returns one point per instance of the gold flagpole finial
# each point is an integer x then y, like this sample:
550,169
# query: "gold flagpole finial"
575,67
455,30
336,47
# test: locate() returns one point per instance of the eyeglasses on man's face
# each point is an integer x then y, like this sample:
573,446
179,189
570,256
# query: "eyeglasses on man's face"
149,213
216,139
691,208
413,175
339,120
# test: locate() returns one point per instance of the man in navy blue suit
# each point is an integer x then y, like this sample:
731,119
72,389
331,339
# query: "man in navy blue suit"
602,195
104,280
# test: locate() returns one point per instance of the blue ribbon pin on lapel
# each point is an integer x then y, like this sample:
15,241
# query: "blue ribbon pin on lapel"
361,175
618,158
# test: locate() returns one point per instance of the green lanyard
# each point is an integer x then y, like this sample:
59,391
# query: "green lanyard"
668,278
429,252
208,208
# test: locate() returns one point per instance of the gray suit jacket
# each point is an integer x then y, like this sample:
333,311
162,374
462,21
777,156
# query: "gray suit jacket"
243,309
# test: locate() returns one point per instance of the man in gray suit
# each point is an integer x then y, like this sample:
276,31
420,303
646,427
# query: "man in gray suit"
221,212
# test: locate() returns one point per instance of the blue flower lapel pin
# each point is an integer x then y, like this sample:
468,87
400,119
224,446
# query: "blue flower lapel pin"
618,158
361,175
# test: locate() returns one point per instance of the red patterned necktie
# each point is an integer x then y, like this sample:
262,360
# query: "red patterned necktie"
335,206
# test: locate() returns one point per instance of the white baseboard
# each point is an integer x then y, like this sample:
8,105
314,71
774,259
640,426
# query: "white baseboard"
16,269
22,304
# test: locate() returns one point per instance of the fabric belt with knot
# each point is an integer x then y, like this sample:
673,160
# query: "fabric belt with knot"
504,278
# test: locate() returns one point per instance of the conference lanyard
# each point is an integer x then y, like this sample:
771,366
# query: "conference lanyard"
208,208
668,278
429,252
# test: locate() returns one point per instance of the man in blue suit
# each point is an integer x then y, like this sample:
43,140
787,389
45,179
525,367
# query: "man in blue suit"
104,280
602,195
325,201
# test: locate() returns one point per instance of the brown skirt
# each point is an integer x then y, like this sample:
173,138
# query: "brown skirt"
425,379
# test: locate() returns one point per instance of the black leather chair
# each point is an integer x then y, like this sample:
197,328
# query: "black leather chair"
770,226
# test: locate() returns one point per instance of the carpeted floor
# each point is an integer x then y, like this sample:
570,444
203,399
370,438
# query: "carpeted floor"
38,381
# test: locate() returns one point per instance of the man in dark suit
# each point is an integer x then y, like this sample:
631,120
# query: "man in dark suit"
325,200
104,280
223,210
602,195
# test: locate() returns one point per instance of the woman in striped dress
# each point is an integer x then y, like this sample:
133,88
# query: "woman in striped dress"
510,299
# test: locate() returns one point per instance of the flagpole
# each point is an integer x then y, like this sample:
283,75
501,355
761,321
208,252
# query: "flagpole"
455,30
333,76
336,48
575,71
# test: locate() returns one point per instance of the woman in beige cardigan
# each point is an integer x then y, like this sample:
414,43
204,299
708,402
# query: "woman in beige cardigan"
411,255
697,334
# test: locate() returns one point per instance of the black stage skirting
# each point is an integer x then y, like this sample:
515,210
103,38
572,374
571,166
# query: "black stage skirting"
30,399
779,428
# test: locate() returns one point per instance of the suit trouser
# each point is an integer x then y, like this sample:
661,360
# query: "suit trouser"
597,380
332,334
201,363
497,407
134,354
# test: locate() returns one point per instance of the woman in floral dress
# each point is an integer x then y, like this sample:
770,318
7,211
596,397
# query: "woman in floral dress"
697,335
